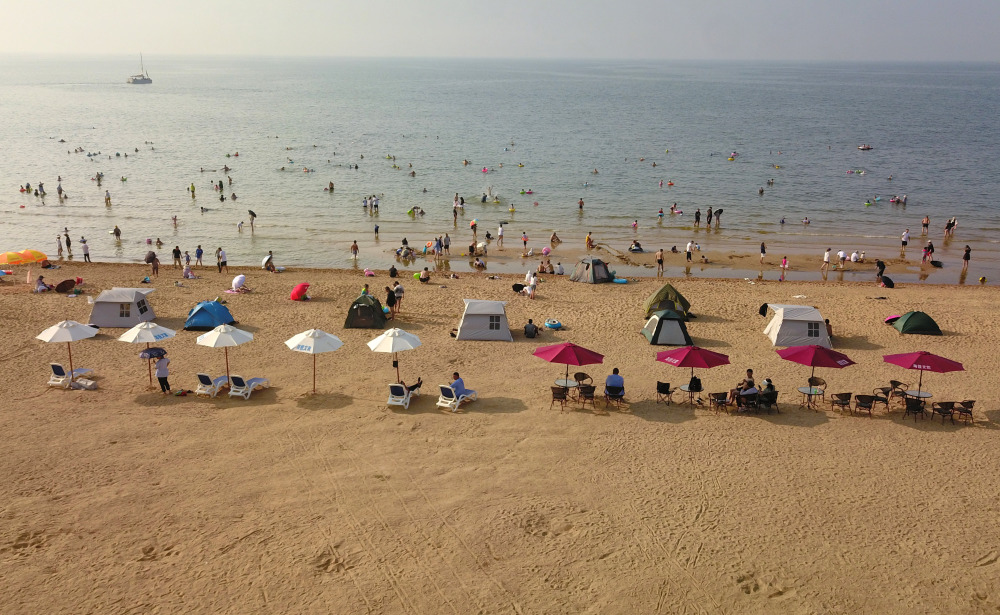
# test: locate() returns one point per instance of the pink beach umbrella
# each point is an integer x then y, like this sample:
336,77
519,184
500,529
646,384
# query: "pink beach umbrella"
815,356
923,361
692,356
568,354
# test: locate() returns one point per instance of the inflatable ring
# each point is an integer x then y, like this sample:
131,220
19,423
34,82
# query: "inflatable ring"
430,243
552,323
620,281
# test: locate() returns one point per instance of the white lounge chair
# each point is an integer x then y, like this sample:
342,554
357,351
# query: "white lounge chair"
449,399
243,388
208,386
61,378
399,396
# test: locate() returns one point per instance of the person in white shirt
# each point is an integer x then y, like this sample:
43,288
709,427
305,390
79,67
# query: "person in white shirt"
842,257
162,372
559,269
826,260
855,257
500,236
688,250
223,264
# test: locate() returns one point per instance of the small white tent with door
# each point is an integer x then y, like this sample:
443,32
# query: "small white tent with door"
122,307
484,320
796,325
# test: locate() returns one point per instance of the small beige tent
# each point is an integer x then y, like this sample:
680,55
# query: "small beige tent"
796,325
122,307
484,320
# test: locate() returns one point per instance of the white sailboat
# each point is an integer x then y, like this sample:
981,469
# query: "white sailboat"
142,78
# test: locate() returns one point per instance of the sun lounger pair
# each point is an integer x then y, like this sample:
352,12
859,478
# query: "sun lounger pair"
451,400
61,378
238,387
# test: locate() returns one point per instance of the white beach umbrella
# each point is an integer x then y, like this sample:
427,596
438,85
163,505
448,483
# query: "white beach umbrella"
394,341
66,332
224,336
314,342
147,332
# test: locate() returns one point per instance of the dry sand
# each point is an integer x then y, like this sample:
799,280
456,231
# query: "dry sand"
121,500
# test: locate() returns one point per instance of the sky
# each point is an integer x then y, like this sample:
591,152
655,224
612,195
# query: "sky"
778,30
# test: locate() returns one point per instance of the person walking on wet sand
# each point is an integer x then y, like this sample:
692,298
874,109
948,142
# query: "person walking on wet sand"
904,239
220,256
354,250
966,257
763,251
659,262
826,260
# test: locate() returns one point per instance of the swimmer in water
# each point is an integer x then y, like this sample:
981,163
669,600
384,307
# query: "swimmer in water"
805,220
660,213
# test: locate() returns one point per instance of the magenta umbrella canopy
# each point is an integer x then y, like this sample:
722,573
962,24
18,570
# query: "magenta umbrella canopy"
568,354
815,356
692,356
923,361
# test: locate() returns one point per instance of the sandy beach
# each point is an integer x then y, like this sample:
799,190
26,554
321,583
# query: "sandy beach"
121,500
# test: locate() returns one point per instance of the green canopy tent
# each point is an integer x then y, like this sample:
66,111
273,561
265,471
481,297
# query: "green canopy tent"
667,298
365,313
918,323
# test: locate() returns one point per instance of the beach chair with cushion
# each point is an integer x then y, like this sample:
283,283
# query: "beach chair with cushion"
719,401
243,388
586,392
863,403
61,378
964,409
818,383
945,409
664,393
914,406
768,401
208,386
560,395
400,396
841,401
582,378
881,396
448,398
614,395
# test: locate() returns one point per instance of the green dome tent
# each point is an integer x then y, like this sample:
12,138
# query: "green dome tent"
917,322
667,298
666,328
365,313
591,270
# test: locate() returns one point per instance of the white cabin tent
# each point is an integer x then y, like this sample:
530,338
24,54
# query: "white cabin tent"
796,325
484,320
122,307
666,328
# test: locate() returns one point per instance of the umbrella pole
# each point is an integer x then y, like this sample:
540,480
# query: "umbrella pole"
149,364
395,359
70,349
227,364
920,381
314,374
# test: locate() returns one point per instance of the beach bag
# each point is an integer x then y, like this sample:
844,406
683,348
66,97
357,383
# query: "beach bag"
695,385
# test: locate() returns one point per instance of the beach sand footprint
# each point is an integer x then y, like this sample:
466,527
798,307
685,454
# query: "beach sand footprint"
987,560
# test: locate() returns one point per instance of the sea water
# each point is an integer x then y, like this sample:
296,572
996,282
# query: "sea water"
299,124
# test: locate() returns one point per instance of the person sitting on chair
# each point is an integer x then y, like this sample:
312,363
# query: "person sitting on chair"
458,385
530,329
768,387
415,387
744,385
614,380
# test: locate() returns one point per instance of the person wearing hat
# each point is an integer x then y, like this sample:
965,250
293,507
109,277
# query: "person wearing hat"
41,286
86,250
768,386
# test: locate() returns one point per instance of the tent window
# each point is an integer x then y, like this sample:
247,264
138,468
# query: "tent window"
141,304
124,310
812,329
494,323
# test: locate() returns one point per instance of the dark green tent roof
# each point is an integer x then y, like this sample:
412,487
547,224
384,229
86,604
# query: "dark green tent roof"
917,322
